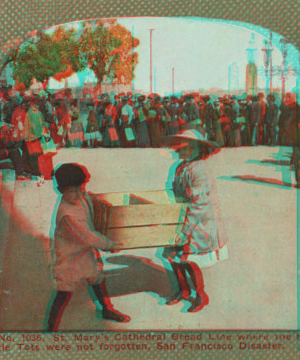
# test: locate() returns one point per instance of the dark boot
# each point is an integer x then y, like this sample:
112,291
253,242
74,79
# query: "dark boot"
202,298
59,304
184,290
108,312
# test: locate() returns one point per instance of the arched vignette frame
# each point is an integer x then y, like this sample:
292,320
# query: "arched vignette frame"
19,18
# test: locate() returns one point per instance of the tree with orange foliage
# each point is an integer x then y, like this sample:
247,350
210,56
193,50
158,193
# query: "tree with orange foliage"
128,58
47,55
107,48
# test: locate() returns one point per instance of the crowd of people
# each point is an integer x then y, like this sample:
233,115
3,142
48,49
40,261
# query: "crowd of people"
31,123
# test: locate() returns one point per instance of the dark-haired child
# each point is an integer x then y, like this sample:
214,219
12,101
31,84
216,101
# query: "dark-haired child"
75,242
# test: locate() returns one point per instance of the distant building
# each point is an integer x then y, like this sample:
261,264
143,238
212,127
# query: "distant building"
251,69
233,77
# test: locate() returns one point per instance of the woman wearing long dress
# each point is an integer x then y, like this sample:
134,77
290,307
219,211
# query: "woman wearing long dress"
202,241
110,136
76,132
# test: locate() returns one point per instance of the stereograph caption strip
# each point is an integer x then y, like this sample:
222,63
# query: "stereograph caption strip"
18,18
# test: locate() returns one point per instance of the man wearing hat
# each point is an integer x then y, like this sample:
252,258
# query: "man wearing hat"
271,122
173,111
202,242
92,134
76,243
235,134
155,128
190,109
143,138
126,131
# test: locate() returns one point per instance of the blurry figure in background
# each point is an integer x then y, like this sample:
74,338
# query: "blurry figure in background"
288,120
92,134
173,111
8,106
62,121
126,132
271,124
216,125
154,114
165,117
35,129
75,259
225,120
100,108
247,111
44,106
202,241
118,121
208,117
19,153
255,131
190,109
261,118
110,135
75,133
244,129
235,138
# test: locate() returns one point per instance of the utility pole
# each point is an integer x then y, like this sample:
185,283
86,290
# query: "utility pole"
173,77
151,59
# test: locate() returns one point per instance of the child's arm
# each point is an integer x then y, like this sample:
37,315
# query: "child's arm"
80,230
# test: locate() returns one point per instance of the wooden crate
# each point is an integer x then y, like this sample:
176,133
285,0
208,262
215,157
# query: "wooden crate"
141,219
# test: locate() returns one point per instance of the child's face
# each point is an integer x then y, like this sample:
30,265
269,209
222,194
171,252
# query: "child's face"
72,194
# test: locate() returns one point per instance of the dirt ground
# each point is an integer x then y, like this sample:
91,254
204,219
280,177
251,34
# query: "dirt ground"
256,288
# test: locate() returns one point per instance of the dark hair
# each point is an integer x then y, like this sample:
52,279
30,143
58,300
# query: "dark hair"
74,102
70,174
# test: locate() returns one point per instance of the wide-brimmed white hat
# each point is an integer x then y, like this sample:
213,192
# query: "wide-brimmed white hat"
190,135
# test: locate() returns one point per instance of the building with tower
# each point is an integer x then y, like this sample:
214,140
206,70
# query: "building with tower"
251,69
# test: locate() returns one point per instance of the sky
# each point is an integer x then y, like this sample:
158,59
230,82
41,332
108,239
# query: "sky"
199,50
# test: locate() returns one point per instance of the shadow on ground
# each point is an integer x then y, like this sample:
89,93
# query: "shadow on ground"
258,180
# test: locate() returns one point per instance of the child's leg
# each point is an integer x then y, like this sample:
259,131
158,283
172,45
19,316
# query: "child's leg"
108,312
60,302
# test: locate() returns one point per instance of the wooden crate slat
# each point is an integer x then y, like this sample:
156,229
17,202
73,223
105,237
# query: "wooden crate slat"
140,215
145,236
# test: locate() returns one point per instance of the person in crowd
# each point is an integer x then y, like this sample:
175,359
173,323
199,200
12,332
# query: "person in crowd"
202,241
255,118
261,118
216,124
92,134
271,124
165,117
8,106
35,129
110,135
62,121
100,109
44,106
17,149
173,111
75,133
190,109
233,113
155,114
208,116
143,138
76,242
127,133
247,112
288,120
